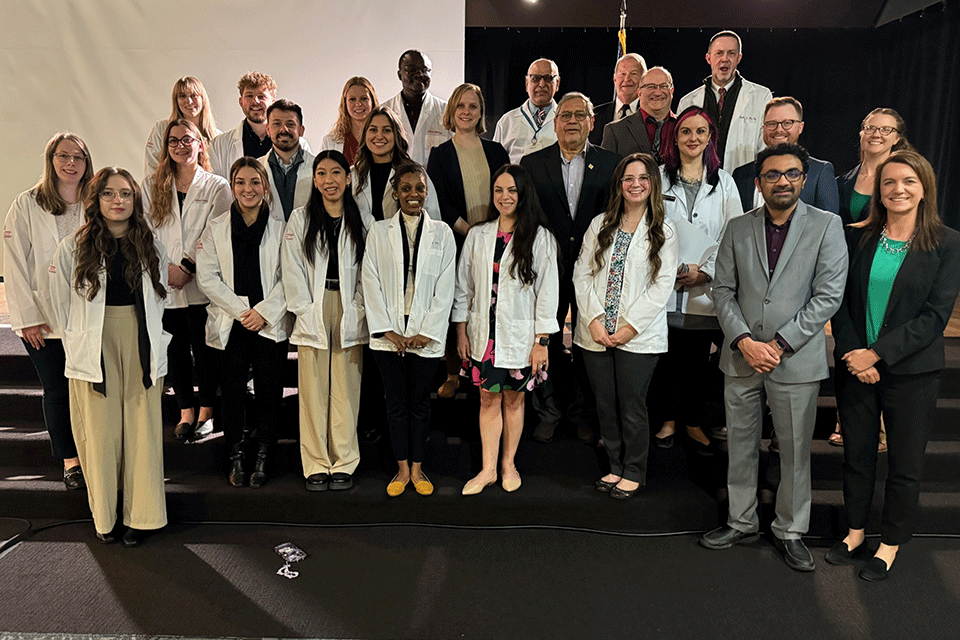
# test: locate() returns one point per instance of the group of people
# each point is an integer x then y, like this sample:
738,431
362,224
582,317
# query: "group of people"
409,238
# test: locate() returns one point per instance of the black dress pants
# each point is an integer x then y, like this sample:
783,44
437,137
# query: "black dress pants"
187,326
50,363
406,387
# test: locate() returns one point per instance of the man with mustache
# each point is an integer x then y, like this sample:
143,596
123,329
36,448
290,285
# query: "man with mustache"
780,275
529,127
734,104
289,164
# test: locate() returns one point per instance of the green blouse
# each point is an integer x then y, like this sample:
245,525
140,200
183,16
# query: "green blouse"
882,274
858,202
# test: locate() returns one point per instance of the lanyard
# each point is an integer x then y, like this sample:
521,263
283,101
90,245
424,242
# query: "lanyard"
536,129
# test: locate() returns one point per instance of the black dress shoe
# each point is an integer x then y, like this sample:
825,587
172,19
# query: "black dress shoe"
875,570
604,487
664,443
726,536
317,482
259,476
340,481
544,432
73,478
839,554
133,537
184,431
796,554
622,494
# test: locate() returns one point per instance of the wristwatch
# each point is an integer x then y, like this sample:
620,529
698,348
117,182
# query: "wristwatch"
543,341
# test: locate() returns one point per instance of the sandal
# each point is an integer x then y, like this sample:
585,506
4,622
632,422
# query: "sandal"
836,439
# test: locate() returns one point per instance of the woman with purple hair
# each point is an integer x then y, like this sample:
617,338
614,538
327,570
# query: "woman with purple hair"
699,197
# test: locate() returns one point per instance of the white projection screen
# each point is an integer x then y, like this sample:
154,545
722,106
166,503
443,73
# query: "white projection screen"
104,69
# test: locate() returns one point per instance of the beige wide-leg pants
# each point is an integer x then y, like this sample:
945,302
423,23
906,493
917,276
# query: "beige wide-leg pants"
119,436
329,388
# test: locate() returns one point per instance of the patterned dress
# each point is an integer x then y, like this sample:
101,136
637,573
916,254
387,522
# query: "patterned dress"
483,373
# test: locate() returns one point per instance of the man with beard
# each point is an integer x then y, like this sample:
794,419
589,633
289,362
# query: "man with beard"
783,122
257,92
735,105
420,112
781,271
289,165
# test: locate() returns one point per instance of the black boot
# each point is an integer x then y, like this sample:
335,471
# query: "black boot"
259,476
237,476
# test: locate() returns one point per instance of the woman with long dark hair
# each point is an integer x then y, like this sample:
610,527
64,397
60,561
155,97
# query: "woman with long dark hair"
108,285
238,269
408,278
622,279
506,309
179,198
357,100
190,102
699,198
37,221
902,285
323,251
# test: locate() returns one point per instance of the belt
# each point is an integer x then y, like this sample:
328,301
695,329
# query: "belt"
332,285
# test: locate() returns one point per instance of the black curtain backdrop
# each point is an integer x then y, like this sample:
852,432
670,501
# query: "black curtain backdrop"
912,65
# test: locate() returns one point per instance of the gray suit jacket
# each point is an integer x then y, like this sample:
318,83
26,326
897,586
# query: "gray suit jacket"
805,291
626,136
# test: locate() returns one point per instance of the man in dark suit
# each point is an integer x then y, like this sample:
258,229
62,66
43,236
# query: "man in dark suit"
572,178
649,128
783,122
626,79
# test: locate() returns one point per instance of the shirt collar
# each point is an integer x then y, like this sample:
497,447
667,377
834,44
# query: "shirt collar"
274,159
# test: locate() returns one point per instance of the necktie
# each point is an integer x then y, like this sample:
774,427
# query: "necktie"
541,116
656,137
624,110
723,94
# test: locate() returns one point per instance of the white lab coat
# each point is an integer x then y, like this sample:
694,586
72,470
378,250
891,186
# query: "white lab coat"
523,311
208,194
304,184
329,143
227,148
215,278
642,303
304,286
365,198
155,144
429,132
711,212
82,319
434,281
745,135
30,239
517,132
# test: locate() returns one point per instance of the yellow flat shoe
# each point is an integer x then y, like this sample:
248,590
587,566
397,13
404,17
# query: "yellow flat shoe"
423,486
475,486
511,483
396,487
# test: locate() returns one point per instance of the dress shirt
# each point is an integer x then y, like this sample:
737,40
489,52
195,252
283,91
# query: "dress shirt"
285,178
253,145
618,110
573,178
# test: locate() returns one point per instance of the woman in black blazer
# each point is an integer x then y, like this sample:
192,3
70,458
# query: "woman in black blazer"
460,169
903,282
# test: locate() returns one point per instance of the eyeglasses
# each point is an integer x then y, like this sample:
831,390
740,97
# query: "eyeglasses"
771,125
772,176
67,157
536,78
663,86
884,131
110,194
567,116
186,141
643,178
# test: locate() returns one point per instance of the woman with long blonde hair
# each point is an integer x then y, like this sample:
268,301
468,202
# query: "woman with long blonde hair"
357,100
190,102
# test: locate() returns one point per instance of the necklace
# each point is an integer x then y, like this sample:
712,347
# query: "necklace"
887,243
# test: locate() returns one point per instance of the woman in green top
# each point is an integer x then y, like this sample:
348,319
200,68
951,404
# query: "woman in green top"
903,281
882,132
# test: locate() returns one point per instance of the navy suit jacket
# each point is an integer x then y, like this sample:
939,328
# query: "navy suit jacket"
602,116
820,190
544,168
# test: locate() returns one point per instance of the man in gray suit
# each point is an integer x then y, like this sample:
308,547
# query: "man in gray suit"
780,274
